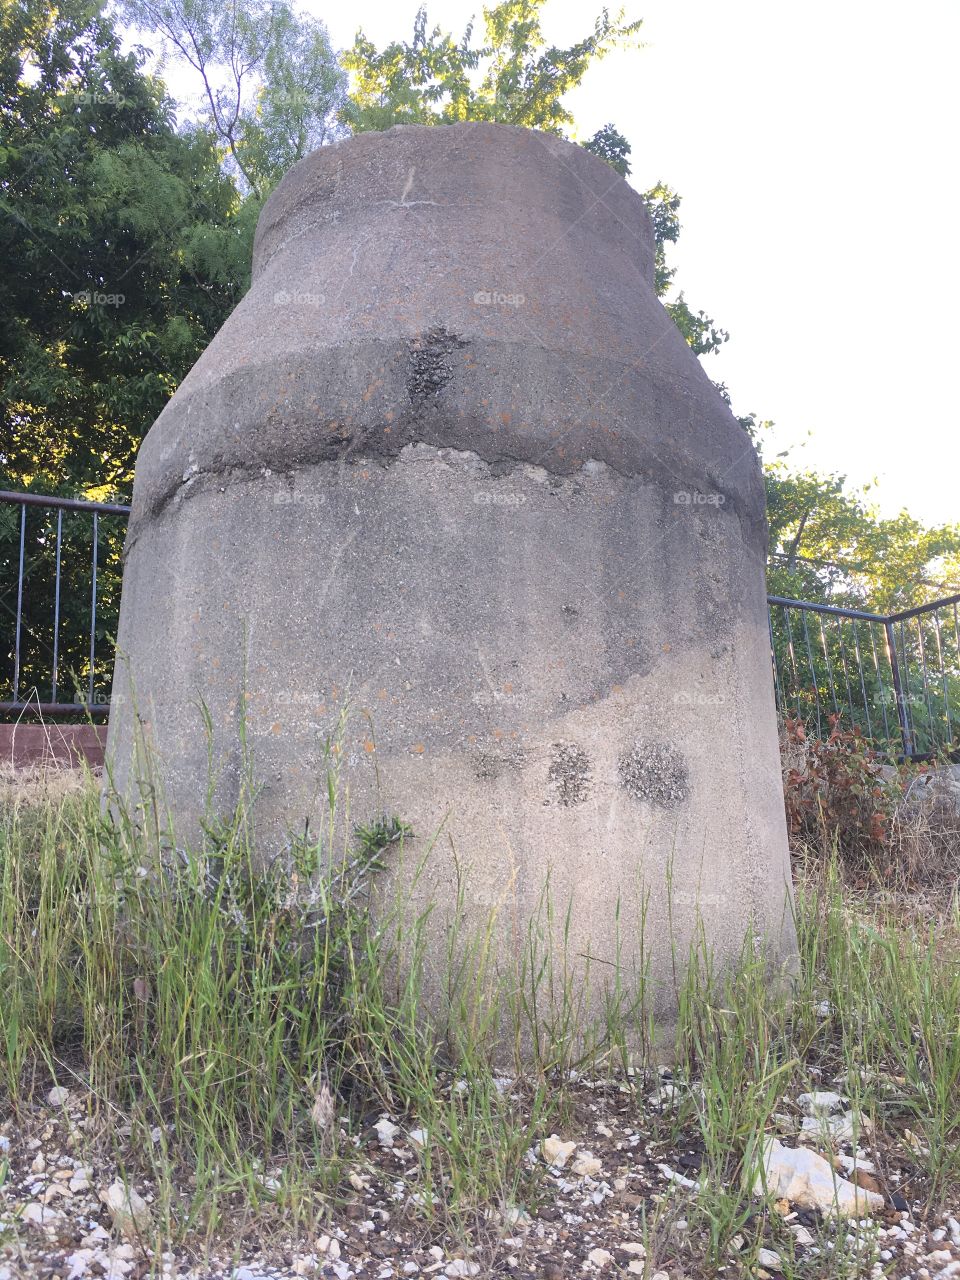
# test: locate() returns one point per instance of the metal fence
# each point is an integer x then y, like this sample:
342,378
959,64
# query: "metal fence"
896,677
60,573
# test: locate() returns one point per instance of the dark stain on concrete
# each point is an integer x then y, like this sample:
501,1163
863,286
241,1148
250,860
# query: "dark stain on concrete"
430,365
569,773
655,772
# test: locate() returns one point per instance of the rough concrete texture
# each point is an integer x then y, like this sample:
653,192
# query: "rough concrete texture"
450,460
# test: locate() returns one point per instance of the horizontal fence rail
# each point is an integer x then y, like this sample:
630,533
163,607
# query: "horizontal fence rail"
895,677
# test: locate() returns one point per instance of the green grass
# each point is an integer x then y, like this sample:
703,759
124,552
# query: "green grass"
197,994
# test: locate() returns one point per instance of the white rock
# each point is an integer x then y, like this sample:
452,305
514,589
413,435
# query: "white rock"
668,1095
460,1267
634,1247
39,1163
769,1258
418,1137
600,1257
836,1128
58,1096
822,1103
806,1179
556,1152
386,1131
40,1215
802,1235
586,1165
128,1209
672,1176
850,1163
636,1268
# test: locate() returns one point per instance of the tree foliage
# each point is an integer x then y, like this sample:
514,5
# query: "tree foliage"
270,85
513,77
829,543
127,245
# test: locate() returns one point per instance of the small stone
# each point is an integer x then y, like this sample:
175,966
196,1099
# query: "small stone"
555,1152
39,1163
40,1215
58,1096
821,1103
418,1138
386,1131
586,1165
128,1209
600,1257
802,1235
634,1247
769,1258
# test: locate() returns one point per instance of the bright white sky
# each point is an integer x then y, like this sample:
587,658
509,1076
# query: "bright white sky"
815,148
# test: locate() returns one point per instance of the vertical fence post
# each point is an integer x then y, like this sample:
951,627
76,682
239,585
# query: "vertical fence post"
898,690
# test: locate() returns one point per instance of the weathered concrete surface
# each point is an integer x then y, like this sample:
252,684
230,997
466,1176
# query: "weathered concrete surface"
451,459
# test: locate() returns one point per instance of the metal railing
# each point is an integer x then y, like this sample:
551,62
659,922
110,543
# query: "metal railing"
896,676
60,575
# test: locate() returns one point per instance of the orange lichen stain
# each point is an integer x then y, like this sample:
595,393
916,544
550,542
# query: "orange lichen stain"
389,415
621,595
215,662
368,746
321,709
364,475
417,749
498,734
616,688
508,687
382,695
666,647
485,400
471,737
275,727
505,419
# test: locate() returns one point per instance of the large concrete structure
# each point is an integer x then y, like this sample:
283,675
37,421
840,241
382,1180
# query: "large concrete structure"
451,460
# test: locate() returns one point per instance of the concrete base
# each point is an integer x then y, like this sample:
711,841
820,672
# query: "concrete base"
59,745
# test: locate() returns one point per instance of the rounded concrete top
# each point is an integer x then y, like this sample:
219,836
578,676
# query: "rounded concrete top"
500,179
476,287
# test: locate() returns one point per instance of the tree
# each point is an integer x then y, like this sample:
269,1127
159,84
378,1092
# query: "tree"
699,331
513,78
829,545
269,81
132,248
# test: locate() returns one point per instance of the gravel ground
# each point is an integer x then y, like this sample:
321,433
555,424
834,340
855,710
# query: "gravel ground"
65,1214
